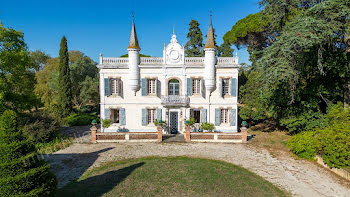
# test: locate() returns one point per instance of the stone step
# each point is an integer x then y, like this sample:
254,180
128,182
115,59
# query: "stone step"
173,138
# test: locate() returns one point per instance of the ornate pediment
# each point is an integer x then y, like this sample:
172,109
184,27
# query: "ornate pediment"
174,52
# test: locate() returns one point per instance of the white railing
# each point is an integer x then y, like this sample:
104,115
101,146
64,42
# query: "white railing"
175,100
194,60
227,60
115,60
151,60
159,60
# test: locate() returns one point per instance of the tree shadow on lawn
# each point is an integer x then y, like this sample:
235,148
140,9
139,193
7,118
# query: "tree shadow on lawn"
68,167
98,185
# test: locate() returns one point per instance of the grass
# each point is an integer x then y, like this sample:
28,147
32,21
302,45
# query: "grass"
55,145
276,142
170,176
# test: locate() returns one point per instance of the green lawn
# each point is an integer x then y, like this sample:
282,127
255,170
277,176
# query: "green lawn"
170,176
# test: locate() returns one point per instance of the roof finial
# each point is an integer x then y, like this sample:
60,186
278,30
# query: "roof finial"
133,42
173,30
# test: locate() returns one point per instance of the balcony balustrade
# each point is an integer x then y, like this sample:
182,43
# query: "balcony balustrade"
175,100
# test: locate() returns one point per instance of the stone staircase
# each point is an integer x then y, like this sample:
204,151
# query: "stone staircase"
173,138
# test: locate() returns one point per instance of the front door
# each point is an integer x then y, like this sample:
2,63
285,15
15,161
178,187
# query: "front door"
173,122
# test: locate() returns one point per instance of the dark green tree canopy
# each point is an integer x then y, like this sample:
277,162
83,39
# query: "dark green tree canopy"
194,45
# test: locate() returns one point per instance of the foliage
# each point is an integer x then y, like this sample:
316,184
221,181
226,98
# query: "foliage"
332,143
160,123
41,131
39,58
64,81
225,50
207,126
106,123
79,119
190,122
16,72
306,121
84,74
193,47
22,172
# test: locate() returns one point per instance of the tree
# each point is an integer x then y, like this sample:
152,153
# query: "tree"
64,80
22,173
225,50
39,58
194,45
16,72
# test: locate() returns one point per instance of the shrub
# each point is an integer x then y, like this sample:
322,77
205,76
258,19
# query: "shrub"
304,144
190,122
79,119
207,126
21,173
306,121
106,123
41,131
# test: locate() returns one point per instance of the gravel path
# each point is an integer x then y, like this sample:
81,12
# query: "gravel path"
299,177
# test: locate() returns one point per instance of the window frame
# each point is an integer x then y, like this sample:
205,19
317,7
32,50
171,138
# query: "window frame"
113,112
224,85
224,117
196,86
151,115
153,86
116,82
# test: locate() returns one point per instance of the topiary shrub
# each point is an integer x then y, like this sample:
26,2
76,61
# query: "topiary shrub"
22,172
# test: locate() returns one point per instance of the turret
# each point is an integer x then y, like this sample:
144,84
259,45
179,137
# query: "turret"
134,60
210,59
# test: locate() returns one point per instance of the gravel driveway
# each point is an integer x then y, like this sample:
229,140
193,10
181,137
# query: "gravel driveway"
299,177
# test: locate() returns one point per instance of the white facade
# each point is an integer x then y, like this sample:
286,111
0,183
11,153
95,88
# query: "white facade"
134,91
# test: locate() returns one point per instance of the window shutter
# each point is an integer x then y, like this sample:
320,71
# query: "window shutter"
121,88
159,114
107,87
234,87
144,117
203,88
189,87
233,117
217,117
122,116
143,87
204,115
159,90
107,114
222,88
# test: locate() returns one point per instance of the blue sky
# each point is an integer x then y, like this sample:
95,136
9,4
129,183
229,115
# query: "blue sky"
104,26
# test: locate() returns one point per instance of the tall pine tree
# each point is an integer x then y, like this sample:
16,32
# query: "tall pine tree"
193,47
225,50
22,172
65,87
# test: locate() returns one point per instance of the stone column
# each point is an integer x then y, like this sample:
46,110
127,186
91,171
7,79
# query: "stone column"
160,134
93,130
244,132
188,134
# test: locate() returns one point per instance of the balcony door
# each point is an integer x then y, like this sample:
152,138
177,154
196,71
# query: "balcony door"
174,87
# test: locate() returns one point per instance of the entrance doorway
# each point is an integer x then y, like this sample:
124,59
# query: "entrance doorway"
173,122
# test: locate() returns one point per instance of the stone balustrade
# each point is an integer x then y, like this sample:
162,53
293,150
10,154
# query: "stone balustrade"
174,100
159,61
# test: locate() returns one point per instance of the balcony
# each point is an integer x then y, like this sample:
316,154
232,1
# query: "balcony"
175,100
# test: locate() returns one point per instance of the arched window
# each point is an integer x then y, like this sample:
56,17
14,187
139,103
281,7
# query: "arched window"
174,87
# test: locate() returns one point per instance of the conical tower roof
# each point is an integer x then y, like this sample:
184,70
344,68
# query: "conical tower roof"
210,43
133,42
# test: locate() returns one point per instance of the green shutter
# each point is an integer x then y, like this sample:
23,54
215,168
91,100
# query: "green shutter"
107,114
234,87
189,87
203,87
144,117
107,87
159,114
222,88
217,117
122,116
204,115
233,117
143,87
159,90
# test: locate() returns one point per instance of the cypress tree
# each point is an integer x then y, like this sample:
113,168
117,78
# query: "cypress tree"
225,50
22,172
195,44
65,87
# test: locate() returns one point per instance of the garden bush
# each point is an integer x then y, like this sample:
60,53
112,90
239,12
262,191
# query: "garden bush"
22,172
332,143
304,122
80,119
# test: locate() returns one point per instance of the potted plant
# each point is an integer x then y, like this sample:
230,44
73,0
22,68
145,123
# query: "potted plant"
206,126
190,122
106,123
160,123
